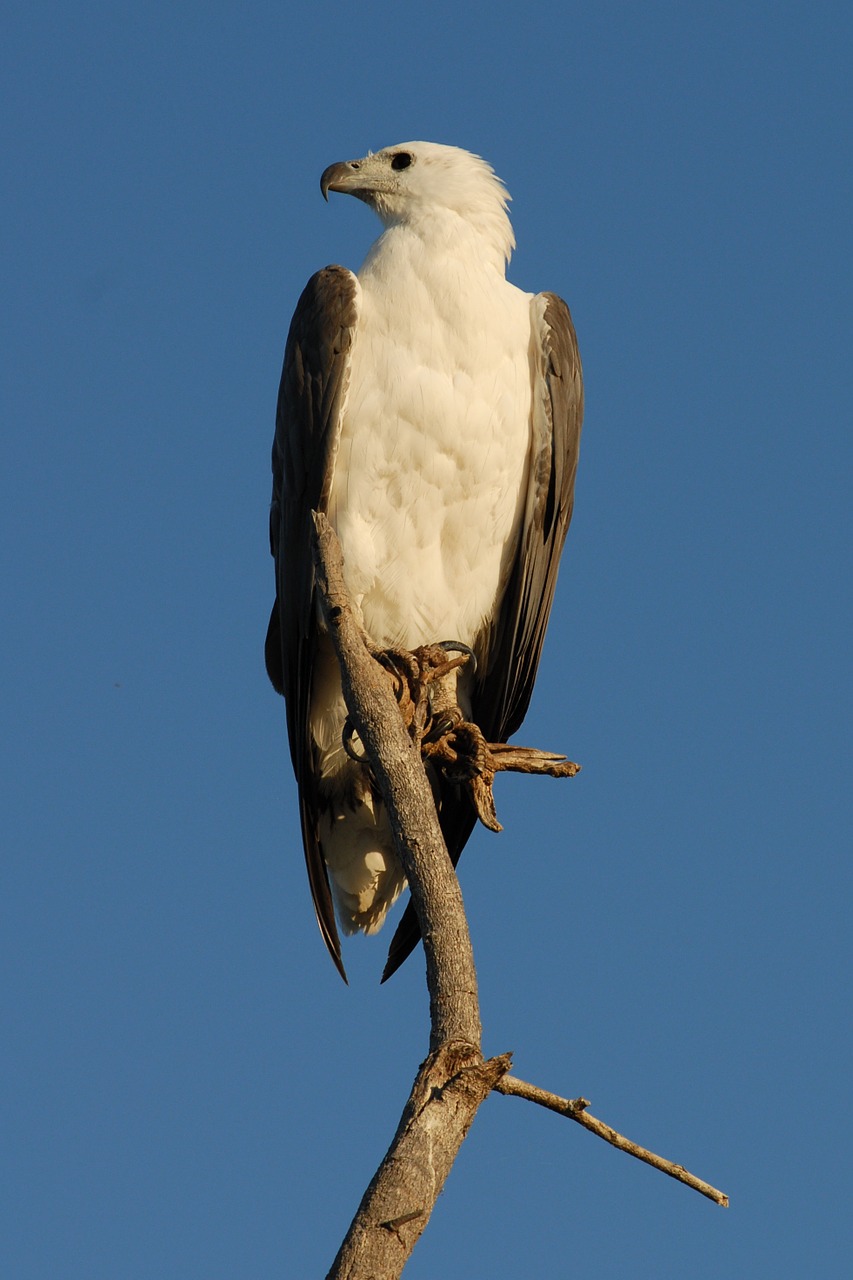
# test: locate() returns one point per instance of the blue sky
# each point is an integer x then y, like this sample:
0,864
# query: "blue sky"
189,1090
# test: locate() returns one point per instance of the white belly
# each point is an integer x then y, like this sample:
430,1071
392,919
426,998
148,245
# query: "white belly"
428,481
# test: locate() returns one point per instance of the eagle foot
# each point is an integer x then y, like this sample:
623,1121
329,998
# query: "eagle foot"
426,703
427,700
460,751
453,745
465,757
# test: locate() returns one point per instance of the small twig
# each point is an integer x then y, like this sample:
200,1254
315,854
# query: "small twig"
576,1109
394,1223
464,755
506,757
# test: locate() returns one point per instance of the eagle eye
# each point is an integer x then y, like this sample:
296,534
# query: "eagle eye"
401,160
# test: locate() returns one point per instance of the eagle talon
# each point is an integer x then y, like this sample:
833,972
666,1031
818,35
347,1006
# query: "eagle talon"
402,667
347,736
456,646
444,725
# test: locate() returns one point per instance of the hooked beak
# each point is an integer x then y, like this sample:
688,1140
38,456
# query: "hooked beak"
343,176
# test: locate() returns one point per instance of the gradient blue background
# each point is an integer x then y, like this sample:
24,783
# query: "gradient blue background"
189,1090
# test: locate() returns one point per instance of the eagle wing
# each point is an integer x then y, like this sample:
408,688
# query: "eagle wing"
311,399
502,690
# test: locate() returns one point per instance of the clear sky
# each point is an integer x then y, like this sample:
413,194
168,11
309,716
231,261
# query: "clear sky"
189,1090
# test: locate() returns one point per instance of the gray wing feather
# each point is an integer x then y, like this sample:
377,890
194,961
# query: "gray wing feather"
502,693
502,697
311,397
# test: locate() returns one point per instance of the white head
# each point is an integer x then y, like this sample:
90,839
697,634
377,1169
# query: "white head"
414,182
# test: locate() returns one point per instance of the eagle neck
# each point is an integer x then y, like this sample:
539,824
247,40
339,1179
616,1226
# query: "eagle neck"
440,239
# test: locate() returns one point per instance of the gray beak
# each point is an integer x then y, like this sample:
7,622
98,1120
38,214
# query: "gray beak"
343,176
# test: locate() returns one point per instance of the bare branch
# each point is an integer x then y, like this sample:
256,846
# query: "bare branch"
455,1079
576,1109
406,792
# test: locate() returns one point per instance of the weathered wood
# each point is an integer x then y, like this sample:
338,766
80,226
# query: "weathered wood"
455,1079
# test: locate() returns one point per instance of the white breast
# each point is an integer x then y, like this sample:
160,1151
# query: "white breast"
433,455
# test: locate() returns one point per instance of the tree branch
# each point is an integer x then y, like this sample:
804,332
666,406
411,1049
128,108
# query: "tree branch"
407,794
576,1109
455,1079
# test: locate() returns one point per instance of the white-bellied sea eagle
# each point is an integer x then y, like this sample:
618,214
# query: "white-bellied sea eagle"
433,411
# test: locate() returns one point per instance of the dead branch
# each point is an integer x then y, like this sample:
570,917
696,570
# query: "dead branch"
576,1109
455,1078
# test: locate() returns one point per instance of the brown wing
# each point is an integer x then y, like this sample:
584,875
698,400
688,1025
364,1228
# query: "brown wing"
502,692
311,396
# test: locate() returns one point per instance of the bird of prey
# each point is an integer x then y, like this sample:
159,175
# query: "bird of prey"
433,411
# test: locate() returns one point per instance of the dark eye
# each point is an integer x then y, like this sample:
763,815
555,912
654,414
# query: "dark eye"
401,160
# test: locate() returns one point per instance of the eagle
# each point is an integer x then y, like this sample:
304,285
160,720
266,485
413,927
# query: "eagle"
432,411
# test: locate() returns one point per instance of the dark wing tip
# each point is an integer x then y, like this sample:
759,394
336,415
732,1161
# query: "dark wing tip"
457,818
326,921
339,965
406,938
325,912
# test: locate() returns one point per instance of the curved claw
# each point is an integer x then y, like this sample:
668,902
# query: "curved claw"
391,666
347,736
443,725
456,646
